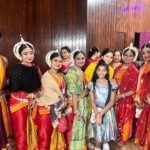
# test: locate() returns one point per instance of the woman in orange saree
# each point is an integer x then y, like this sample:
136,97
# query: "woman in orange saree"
50,105
142,135
126,76
25,85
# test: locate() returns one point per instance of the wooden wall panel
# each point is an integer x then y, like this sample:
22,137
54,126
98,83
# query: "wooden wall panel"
12,23
51,24
56,23
112,23
39,32
47,24
101,16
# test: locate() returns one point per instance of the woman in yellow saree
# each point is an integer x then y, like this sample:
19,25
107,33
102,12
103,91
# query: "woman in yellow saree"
4,117
107,56
91,62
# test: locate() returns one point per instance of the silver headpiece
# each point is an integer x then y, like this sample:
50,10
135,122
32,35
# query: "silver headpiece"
17,47
48,56
131,47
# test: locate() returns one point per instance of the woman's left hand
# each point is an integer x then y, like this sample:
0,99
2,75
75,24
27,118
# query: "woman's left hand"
83,94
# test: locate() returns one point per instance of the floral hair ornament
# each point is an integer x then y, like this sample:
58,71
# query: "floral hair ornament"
48,56
18,45
131,48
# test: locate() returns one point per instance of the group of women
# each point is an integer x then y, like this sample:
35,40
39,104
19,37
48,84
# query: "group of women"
67,108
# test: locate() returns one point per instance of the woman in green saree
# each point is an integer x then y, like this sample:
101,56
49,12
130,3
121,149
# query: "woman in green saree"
77,89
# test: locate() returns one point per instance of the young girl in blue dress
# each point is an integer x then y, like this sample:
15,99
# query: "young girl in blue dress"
102,126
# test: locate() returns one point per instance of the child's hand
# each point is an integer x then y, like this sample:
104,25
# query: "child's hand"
98,119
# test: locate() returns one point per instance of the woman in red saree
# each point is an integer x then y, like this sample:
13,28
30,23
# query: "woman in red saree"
126,76
25,85
50,105
142,135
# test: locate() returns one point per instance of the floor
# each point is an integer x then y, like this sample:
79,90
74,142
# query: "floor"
129,146
113,146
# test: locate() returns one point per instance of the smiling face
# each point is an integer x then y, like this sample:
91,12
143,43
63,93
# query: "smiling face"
56,63
27,56
128,57
101,72
79,60
108,58
117,56
146,54
65,54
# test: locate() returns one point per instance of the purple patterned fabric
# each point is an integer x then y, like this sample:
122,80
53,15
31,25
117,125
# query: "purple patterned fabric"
3,139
